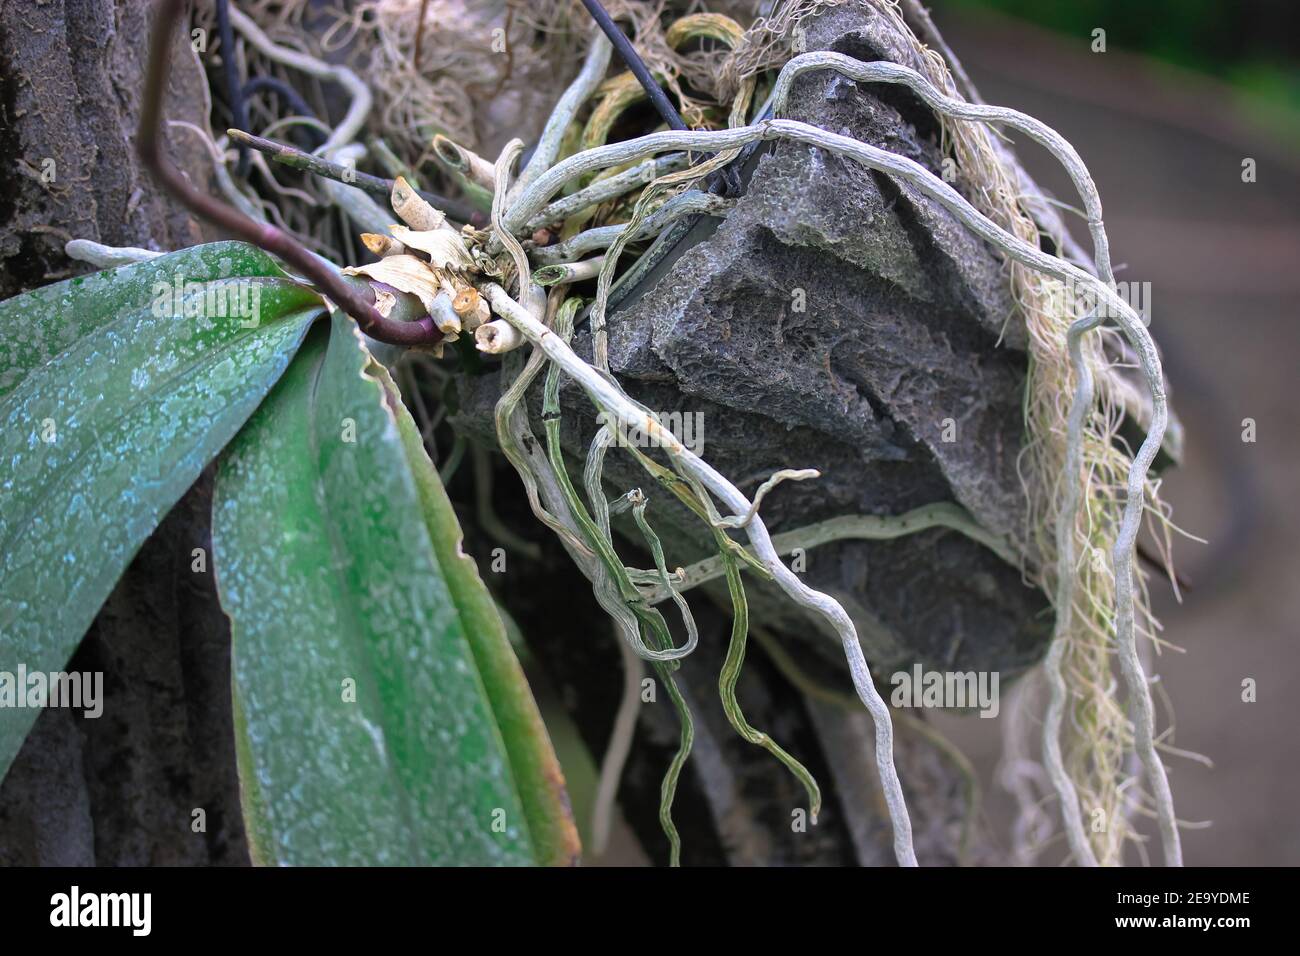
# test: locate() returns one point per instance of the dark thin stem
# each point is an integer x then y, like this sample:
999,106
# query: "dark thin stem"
634,63
291,98
375,185
234,95
726,180
419,35
265,236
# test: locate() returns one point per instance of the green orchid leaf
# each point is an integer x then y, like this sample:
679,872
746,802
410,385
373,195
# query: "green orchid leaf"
380,717
116,389
536,768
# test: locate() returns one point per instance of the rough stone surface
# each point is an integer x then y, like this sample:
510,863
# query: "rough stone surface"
905,324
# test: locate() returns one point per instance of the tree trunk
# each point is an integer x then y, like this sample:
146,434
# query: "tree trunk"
122,789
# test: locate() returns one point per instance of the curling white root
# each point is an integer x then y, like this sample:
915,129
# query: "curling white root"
884,71
580,90
603,190
106,257
942,514
691,203
620,745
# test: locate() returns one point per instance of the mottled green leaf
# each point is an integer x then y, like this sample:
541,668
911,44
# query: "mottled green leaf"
365,731
533,760
113,397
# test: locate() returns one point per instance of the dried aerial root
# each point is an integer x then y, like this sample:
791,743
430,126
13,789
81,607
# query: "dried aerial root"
497,338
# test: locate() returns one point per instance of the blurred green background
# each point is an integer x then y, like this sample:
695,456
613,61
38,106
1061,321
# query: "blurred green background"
1253,45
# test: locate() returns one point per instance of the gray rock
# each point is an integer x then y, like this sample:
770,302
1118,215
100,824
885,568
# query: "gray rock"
837,320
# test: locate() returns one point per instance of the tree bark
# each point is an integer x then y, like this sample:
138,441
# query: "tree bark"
122,789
